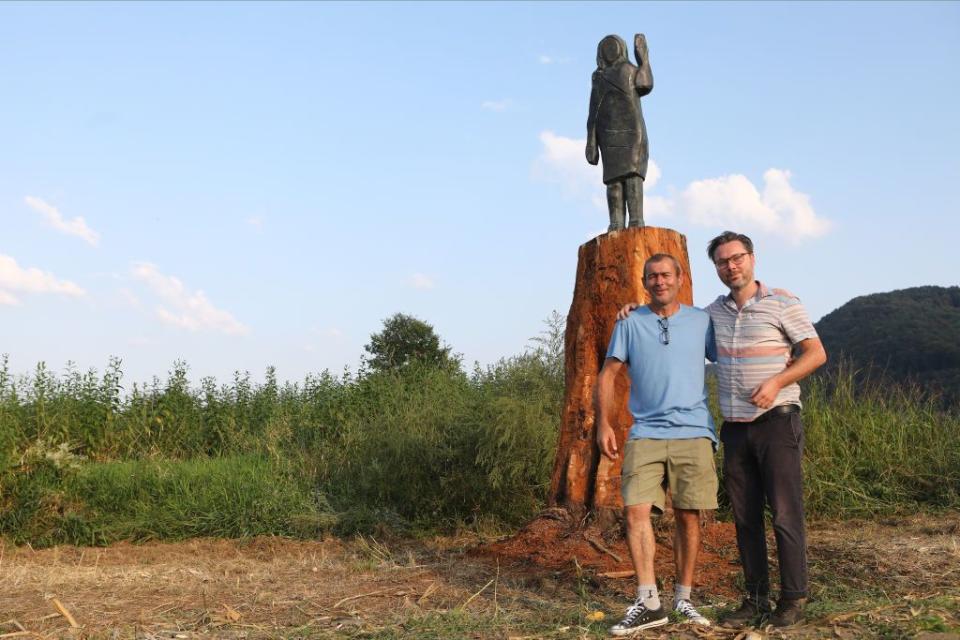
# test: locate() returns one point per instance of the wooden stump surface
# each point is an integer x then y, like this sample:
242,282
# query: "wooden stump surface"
609,275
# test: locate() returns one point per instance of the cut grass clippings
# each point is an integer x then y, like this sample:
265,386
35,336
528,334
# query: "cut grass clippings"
405,589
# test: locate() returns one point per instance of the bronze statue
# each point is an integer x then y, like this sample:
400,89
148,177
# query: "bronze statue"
615,126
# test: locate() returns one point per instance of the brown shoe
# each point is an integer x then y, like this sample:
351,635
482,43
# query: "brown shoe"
750,609
788,612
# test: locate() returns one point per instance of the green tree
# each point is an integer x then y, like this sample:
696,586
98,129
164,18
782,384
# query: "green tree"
406,339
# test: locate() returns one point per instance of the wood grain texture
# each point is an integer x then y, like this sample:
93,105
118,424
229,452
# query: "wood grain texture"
609,275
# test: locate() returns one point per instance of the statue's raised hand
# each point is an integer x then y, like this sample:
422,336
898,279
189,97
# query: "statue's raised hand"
640,48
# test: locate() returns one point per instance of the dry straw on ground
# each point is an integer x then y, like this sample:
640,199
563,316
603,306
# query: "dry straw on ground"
271,587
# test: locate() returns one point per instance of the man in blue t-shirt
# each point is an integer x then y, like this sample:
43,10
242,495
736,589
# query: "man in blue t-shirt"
671,443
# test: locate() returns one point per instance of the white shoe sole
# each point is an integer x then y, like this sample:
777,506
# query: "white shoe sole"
633,630
699,623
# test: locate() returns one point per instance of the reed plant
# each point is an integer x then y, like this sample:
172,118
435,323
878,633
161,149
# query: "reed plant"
86,458
875,447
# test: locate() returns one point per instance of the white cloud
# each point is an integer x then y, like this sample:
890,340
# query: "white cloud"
795,206
8,299
562,161
74,227
255,221
421,281
652,177
192,310
547,59
727,201
657,207
734,201
14,278
496,105
130,298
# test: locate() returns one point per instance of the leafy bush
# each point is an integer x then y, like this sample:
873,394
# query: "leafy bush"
407,340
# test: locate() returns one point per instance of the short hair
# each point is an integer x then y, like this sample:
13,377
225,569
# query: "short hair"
724,238
660,257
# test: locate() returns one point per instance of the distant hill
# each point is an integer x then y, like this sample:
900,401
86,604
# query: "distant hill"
910,335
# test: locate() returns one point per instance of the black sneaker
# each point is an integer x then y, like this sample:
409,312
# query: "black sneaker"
788,612
638,617
748,611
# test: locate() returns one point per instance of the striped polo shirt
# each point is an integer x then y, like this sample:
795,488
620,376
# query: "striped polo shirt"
754,343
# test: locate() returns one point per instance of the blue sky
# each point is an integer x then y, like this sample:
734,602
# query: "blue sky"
244,185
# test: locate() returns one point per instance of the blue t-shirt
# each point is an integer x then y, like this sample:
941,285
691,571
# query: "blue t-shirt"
668,393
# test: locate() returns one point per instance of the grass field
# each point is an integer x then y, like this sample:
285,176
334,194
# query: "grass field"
401,474
892,578
423,449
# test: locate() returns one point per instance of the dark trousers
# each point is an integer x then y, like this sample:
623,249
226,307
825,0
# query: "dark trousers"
761,463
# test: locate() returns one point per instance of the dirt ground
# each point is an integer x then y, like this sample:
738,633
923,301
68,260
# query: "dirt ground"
870,579
548,543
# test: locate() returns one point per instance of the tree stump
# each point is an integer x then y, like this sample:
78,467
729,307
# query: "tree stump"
609,275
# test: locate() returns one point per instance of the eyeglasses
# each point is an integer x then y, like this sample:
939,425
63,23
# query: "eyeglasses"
664,330
736,260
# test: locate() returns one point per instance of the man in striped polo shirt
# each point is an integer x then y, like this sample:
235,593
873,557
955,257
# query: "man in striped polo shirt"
757,329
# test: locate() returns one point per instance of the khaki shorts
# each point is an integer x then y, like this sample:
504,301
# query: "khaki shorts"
685,466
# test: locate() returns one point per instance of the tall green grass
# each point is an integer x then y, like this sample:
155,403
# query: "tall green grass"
422,447
97,503
873,448
439,448
86,458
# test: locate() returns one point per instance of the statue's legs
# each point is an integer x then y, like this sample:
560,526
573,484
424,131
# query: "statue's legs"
617,205
634,189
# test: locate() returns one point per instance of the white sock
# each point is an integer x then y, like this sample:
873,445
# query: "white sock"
680,592
648,593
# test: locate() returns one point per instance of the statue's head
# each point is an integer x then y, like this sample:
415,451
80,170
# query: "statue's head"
611,50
